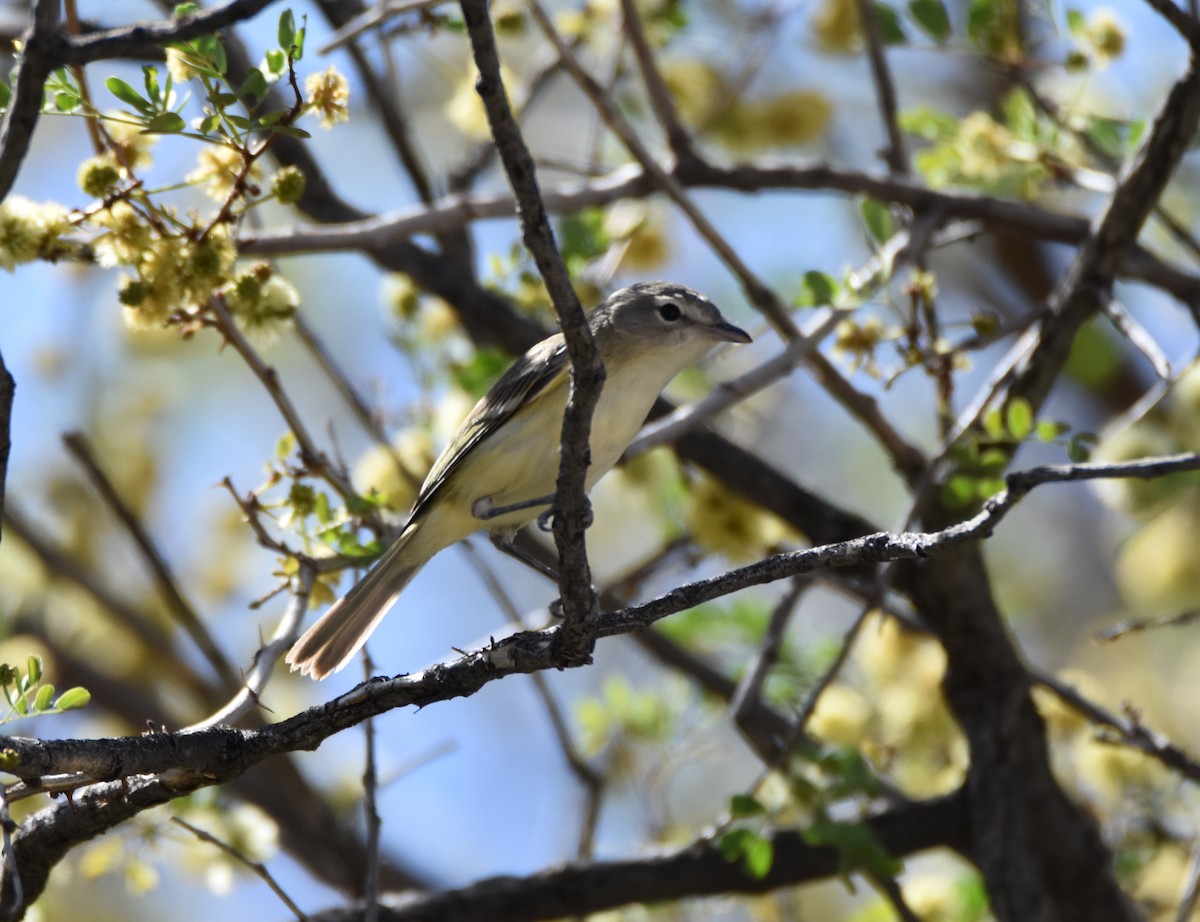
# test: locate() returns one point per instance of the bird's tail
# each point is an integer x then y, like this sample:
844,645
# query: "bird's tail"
340,633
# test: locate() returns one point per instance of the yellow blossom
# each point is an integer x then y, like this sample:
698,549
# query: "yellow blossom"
793,118
97,175
219,170
130,144
261,301
837,26
841,717
128,235
858,341
984,147
328,94
28,229
179,65
725,523
696,87
1106,34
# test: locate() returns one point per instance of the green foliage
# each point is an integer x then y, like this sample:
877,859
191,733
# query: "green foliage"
817,290
28,695
755,852
877,218
622,713
981,458
890,26
931,16
583,238
859,850
480,371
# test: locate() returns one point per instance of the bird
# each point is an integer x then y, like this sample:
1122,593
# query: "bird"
498,473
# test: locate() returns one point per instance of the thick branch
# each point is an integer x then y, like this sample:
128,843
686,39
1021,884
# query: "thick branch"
698,870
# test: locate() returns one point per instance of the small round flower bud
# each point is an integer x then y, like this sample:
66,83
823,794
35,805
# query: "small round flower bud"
132,293
97,175
288,185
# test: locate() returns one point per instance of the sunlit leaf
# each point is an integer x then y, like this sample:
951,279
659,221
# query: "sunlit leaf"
931,16
128,95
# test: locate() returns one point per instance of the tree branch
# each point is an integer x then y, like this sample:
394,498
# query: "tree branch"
571,508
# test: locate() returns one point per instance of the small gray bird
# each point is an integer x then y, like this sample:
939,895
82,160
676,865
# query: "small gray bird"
506,453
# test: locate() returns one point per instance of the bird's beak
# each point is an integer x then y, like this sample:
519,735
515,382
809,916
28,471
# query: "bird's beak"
727,331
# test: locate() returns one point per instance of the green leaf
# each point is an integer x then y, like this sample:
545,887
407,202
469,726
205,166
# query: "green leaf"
958,492
756,853
286,445
220,62
255,85
65,102
150,79
45,695
5,95
186,9
1076,22
932,17
33,670
817,289
759,856
987,487
1048,430
1079,448
732,844
889,25
166,123
290,131
858,847
744,805
287,30
993,459
929,123
73,699
877,218
993,424
298,47
982,19
321,509
276,61
128,95
1018,417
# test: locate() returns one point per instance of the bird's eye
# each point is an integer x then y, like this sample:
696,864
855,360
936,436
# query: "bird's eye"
670,312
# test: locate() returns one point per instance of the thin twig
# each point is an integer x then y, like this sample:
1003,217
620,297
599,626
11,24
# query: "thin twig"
168,586
256,866
1149,624
313,457
907,458
249,696
592,780
656,87
668,428
11,871
571,507
370,781
748,699
896,152
149,635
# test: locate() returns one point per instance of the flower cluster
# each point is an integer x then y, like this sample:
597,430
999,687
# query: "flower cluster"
29,230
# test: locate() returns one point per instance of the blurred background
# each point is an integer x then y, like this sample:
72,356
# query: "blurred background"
481,786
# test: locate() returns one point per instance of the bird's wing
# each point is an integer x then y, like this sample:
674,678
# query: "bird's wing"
532,374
